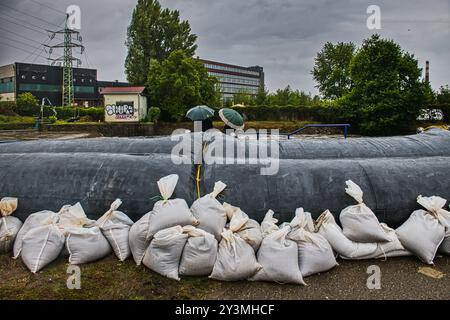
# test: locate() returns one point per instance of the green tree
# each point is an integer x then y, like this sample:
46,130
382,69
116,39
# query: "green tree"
153,34
243,97
443,95
179,83
331,69
387,92
261,96
27,104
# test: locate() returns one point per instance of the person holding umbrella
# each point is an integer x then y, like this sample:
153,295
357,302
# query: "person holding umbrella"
232,119
204,114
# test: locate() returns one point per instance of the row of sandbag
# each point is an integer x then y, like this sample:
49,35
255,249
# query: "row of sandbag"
46,235
362,236
215,239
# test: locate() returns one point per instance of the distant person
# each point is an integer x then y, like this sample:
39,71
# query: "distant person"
207,124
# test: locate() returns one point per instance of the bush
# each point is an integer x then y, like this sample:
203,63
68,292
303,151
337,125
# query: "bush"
52,119
27,105
8,108
154,114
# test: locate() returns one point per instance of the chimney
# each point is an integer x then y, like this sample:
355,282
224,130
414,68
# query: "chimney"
427,72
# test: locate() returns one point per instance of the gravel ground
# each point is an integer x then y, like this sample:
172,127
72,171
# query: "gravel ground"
110,279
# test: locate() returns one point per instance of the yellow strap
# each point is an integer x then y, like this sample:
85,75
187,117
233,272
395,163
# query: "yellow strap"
198,180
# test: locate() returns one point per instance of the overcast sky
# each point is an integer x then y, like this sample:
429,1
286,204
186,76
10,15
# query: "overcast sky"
283,36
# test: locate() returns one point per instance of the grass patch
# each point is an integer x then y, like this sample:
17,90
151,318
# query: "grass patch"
16,119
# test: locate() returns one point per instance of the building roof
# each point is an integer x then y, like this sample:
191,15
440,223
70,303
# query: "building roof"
121,90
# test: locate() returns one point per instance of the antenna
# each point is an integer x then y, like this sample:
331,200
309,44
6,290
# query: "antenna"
72,40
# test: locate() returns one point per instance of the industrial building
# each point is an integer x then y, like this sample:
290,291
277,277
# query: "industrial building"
45,81
235,79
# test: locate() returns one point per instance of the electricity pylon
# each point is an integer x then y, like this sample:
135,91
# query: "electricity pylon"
72,40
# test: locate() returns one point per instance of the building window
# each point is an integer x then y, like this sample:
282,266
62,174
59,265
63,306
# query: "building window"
39,87
79,89
6,87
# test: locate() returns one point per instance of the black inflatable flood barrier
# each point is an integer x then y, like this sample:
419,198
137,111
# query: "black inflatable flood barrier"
390,185
392,172
44,181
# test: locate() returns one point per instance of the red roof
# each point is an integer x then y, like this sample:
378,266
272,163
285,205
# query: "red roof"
121,90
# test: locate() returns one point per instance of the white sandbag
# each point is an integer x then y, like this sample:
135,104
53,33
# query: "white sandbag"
424,231
210,213
278,258
73,217
359,223
41,245
137,238
33,220
164,252
9,226
86,245
169,213
269,224
304,218
235,259
315,254
390,249
444,248
347,249
199,254
246,228
115,226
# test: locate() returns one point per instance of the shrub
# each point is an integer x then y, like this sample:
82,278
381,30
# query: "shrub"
52,119
154,114
27,105
8,108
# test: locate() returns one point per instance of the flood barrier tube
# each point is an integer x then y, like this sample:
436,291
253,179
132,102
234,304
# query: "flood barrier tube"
390,185
433,143
45,181
134,146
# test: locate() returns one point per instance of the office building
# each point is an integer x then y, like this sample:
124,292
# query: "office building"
235,79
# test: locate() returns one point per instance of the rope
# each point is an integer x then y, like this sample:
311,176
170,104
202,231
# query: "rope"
198,179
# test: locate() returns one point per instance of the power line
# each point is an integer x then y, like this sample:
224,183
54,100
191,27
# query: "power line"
19,35
47,6
27,14
18,41
26,27
18,48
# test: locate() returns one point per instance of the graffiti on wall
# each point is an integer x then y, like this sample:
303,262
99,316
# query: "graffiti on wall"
431,114
122,111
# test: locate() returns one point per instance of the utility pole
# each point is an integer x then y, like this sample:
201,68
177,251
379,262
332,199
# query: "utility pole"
72,40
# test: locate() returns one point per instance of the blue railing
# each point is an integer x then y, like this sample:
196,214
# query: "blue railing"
346,126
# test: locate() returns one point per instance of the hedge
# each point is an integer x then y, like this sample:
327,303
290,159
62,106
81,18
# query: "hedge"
10,108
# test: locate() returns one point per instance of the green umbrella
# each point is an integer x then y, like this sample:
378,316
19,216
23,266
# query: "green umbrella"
232,118
200,113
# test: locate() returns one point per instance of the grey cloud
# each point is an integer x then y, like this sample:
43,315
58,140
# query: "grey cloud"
283,36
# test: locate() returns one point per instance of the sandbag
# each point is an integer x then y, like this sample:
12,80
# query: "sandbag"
347,249
424,231
278,257
86,245
199,254
137,238
34,220
235,259
73,216
115,226
444,248
9,226
246,228
41,245
269,224
210,213
169,213
164,252
391,248
359,223
315,254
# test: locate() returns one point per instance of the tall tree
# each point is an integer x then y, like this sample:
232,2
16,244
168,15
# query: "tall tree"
387,92
331,69
153,34
179,83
